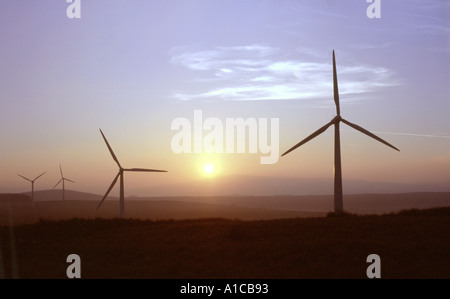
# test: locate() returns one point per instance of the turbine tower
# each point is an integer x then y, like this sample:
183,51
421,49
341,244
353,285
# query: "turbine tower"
32,184
338,196
120,173
63,179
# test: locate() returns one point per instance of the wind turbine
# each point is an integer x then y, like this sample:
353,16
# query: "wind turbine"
63,179
338,201
120,173
32,184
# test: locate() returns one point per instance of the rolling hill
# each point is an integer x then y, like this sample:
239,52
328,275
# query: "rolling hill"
246,185
84,205
24,212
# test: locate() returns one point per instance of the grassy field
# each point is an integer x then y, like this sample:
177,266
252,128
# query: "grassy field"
411,244
23,213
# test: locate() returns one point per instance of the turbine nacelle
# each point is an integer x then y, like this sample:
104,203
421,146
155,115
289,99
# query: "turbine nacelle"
120,174
63,179
337,161
336,119
32,181
32,184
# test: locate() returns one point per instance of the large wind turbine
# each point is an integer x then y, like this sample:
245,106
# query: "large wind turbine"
120,173
32,184
63,179
338,201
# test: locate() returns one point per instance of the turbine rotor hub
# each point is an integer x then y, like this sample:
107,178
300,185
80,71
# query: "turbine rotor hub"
337,119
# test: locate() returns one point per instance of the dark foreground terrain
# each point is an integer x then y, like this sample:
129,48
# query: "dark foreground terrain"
411,244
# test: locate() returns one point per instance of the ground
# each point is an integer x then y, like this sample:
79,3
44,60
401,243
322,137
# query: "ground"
411,244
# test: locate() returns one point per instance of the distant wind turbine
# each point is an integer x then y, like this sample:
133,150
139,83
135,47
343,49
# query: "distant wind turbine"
63,179
32,184
120,173
338,197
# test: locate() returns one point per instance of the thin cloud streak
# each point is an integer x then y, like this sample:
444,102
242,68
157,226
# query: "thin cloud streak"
366,46
258,72
412,134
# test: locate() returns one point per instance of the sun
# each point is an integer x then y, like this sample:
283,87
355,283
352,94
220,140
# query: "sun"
208,169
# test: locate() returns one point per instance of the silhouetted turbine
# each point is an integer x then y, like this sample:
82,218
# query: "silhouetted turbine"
120,173
63,179
338,200
32,184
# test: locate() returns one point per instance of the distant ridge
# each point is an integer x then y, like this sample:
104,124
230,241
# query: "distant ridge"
243,185
264,185
357,203
55,195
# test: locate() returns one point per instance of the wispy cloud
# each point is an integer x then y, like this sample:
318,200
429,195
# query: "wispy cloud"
434,29
427,18
257,72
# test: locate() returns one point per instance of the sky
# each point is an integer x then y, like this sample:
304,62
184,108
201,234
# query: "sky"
133,67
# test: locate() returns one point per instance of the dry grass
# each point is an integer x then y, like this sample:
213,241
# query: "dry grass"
24,213
411,244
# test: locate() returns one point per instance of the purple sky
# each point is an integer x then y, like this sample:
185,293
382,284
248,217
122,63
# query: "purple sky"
132,67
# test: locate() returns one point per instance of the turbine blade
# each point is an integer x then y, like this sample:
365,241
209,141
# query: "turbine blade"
356,127
144,170
24,177
69,180
57,183
39,176
335,87
313,135
60,169
109,189
110,149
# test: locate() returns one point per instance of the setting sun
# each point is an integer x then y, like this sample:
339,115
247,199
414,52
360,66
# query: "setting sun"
209,166
209,169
